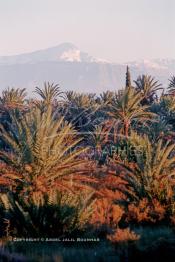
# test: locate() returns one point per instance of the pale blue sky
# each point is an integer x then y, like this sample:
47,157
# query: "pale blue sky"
116,30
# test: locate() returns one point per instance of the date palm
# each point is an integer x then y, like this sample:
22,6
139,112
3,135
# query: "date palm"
49,93
12,97
81,110
107,97
171,87
41,147
35,217
148,87
127,108
152,174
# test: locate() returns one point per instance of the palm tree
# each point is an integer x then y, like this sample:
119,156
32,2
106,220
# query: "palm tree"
160,129
128,108
171,86
168,103
12,97
80,99
152,175
11,100
36,216
148,87
42,148
81,110
49,93
107,97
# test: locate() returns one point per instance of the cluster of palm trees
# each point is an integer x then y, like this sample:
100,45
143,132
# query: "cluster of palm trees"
54,156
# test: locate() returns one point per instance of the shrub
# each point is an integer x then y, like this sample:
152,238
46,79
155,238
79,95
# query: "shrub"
123,235
52,215
106,213
146,211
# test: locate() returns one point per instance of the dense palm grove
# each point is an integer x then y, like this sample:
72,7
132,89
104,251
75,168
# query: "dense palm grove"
75,164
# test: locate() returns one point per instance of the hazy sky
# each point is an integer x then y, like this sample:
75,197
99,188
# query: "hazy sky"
116,30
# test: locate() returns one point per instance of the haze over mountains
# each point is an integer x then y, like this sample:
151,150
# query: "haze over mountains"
75,70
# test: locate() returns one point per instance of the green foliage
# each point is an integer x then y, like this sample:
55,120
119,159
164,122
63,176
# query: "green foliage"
53,215
83,111
128,77
152,175
171,87
40,146
147,86
37,139
51,178
12,97
128,108
49,93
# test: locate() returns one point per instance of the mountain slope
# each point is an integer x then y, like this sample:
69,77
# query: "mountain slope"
73,69
66,52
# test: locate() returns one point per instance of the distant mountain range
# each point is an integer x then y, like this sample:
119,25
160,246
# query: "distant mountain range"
75,70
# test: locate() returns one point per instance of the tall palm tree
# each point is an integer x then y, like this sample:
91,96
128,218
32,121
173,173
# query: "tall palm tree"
148,87
128,108
49,93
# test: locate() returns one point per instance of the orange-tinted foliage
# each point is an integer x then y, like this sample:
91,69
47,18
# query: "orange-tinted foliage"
109,184
106,213
123,235
146,211
172,219
7,176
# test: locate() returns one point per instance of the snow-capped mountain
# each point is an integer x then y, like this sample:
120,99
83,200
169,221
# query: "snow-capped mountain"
66,52
73,69
157,64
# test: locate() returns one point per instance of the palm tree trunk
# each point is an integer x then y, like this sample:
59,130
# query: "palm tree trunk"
126,128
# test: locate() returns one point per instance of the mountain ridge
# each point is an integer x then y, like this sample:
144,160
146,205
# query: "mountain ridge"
64,52
73,69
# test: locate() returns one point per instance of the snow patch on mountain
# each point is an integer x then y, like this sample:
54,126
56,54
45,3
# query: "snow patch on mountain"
75,55
71,56
152,64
